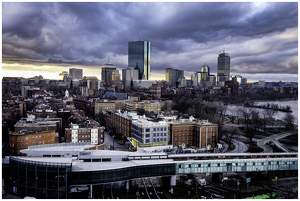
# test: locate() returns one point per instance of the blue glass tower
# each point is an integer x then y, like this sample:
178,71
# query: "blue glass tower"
139,55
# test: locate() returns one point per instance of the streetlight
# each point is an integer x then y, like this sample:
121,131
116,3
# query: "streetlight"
113,142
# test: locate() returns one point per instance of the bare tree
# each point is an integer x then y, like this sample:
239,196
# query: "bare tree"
269,113
289,121
229,133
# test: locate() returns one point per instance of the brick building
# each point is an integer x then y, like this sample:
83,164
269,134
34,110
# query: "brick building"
104,106
199,134
148,106
24,139
122,122
40,124
88,133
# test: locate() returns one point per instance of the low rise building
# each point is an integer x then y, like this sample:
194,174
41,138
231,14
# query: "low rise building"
122,122
31,123
88,133
24,139
146,133
104,106
191,132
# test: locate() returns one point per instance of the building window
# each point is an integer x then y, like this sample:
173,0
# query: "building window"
154,134
26,139
36,137
26,145
161,129
190,165
48,135
165,134
154,129
179,166
199,165
154,140
33,144
208,165
40,137
147,129
22,139
18,145
43,136
18,139
22,145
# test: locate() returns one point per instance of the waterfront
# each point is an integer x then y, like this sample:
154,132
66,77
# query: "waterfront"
232,109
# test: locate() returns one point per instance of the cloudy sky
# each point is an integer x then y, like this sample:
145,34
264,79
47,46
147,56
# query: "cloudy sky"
48,38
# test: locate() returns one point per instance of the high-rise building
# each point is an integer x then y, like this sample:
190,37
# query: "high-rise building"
223,67
107,71
76,74
139,55
172,75
129,74
115,77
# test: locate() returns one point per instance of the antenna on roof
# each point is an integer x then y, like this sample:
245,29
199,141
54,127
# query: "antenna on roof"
108,60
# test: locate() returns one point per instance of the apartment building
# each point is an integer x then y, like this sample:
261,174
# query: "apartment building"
104,106
24,139
189,132
122,122
146,133
87,133
148,106
31,123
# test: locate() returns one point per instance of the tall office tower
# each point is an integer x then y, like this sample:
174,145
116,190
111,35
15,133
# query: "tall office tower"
115,77
172,75
107,71
129,74
205,69
139,55
223,67
75,73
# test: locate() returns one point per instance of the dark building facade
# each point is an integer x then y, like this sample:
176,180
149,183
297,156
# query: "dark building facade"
172,75
107,71
139,55
223,65
75,73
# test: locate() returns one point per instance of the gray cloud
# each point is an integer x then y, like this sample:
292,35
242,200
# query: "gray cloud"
260,38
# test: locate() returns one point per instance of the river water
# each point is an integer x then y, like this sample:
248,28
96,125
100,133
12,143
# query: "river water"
232,109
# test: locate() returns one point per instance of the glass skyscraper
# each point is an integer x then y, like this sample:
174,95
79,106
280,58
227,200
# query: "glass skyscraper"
139,55
224,65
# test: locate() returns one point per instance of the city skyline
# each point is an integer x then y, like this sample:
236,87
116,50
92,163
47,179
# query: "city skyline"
48,38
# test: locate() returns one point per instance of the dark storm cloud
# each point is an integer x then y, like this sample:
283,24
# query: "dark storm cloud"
186,34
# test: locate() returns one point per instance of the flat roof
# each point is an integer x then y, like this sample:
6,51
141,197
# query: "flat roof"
95,166
33,132
47,159
61,147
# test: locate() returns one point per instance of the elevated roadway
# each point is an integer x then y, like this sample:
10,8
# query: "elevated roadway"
262,143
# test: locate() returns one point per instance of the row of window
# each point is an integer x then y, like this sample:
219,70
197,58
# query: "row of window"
34,143
157,140
156,129
33,138
156,135
237,164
